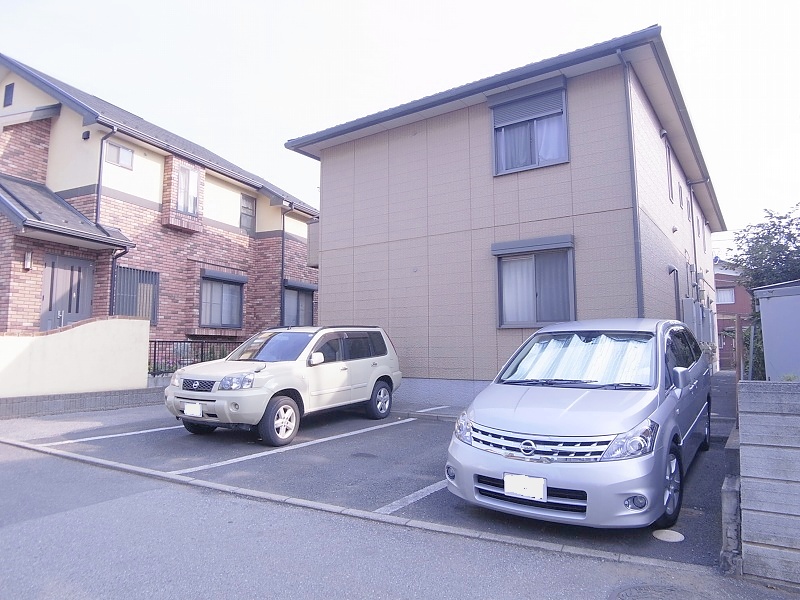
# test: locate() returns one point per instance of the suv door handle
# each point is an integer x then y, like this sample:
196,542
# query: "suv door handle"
344,368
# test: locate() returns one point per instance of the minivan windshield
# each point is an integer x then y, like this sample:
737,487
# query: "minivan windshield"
623,360
273,346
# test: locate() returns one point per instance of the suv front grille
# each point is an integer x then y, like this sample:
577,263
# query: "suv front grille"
197,385
539,448
558,499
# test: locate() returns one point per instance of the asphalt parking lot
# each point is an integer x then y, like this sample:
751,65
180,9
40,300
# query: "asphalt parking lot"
389,470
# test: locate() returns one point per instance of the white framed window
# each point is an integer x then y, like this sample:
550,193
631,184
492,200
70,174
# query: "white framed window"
221,296
529,132
119,155
726,296
536,282
188,184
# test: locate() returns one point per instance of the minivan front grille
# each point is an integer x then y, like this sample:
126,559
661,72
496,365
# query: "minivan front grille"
197,385
539,448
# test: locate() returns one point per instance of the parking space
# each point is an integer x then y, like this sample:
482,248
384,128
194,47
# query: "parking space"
392,466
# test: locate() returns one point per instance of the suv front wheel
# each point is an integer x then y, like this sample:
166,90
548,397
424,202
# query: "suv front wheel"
279,424
380,404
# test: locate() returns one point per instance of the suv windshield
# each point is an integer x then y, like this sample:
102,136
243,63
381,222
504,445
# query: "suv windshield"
273,346
591,358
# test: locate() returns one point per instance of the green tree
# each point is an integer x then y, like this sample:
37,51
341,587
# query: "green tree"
767,253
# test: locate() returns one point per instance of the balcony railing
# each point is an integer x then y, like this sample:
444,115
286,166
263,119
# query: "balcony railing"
168,356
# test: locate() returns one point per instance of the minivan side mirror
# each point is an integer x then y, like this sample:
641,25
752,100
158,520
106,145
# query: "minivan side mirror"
316,358
681,377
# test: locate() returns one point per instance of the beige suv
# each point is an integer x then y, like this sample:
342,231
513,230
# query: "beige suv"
279,375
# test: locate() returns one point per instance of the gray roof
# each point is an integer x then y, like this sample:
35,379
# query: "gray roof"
644,50
96,110
39,213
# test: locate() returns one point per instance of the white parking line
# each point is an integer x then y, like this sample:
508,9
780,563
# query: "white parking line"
411,498
434,408
113,435
286,448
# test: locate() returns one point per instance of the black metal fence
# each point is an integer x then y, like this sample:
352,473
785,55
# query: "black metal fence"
167,356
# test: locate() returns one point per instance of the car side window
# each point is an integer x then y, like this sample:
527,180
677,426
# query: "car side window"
678,353
357,345
378,344
331,348
694,347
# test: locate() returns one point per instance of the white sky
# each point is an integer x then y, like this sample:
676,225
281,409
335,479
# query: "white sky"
241,77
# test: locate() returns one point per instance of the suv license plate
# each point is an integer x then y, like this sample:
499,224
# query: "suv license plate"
193,409
522,486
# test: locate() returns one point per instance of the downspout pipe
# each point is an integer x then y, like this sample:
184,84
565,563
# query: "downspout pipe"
112,296
673,270
284,211
637,242
100,174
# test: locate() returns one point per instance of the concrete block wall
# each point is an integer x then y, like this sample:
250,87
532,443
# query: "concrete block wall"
769,429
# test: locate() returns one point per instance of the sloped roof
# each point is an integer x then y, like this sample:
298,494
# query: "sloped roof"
41,214
643,49
97,110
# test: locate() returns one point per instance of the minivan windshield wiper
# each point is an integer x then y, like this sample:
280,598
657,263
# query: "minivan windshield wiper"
626,386
548,381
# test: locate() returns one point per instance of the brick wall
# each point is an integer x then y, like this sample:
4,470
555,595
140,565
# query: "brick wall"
24,150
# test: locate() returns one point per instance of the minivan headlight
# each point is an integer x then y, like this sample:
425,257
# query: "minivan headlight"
237,381
639,441
463,430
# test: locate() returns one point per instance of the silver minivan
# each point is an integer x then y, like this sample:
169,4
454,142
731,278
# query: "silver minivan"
589,423
281,374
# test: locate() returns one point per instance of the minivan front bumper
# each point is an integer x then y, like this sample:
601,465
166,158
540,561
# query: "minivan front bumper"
591,494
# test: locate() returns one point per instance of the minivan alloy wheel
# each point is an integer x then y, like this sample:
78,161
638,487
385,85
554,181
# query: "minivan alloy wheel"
673,489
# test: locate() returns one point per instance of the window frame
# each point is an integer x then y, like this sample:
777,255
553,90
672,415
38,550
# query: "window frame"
209,277
530,105
721,298
185,201
247,214
532,248
8,94
127,282
114,153
299,288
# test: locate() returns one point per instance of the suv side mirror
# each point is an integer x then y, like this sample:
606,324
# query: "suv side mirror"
681,377
316,358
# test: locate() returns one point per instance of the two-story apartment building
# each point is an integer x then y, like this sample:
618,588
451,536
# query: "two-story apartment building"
103,213
570,188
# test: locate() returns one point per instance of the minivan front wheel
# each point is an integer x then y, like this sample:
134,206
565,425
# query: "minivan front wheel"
673,489
279,424
380,403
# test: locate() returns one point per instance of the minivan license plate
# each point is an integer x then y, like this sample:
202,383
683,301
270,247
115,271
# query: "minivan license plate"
522,486
193,409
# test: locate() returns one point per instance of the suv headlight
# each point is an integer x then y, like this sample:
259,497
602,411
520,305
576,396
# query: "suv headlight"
639,441
176,379
464,429
237,381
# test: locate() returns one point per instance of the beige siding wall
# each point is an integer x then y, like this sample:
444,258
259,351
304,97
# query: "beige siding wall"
408,218
669,227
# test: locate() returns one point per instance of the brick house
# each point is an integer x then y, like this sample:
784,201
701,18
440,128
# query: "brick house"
103,213
733,302
570,188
